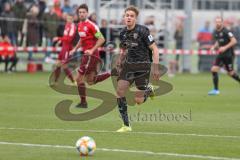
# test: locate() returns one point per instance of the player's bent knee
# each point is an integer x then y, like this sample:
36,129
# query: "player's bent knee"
90,83
64,66
79,80
58,64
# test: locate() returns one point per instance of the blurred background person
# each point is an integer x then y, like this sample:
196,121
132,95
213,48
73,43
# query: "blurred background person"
104,29
32,29
93,17
67,7
236,32
178,37
150,24
8,23
50,24
61,24
204,36
8,57
57,7
161,39
42,6
205,42
1,52
20,12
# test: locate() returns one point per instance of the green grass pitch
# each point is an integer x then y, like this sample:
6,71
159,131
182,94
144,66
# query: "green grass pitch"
210,129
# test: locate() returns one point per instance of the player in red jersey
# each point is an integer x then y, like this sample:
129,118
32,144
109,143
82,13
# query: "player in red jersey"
66,40
90,40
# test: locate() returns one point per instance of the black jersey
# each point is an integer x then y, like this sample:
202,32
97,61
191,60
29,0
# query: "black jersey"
223,37
136,42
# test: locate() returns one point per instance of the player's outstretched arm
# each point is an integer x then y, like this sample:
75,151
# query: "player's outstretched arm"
155,68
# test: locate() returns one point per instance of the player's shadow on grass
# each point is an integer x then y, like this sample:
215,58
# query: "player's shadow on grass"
62,109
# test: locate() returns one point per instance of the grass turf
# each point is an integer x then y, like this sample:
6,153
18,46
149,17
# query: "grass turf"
27,102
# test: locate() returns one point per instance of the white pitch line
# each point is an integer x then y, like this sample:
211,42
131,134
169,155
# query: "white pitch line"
123,151
106,131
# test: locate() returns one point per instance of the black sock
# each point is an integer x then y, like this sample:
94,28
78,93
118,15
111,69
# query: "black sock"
236,77
122,106
215,80
147,92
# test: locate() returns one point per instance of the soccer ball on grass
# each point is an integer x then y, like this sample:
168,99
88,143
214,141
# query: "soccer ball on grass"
86,146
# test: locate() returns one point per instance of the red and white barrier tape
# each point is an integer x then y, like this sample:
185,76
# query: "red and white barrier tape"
35,49
163,51
191,52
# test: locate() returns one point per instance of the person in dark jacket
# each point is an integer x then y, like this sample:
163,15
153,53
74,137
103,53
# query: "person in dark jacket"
8,23
32,28
50,25
42,6
20,12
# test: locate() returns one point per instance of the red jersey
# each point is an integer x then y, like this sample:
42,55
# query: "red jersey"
4,49
68,35
88,32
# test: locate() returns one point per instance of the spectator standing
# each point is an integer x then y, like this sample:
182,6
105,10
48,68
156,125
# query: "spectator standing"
236,32
42,6
204,36
32,28
66,7
104,30
57,8
50,24
178,36
93,17
8,23
20,12
205,41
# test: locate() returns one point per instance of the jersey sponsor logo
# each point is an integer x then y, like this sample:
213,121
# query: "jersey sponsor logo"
221,34
82,34
221,40
134,44
85,28
150,38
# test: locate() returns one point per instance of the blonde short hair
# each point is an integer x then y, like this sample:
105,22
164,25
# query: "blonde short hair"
132,8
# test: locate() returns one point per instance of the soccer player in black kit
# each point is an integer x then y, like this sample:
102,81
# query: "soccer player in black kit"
137,47
225,42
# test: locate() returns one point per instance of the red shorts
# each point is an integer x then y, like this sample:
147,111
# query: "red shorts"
64,54
90,63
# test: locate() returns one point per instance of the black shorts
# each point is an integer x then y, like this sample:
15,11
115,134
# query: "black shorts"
226,61
136,72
